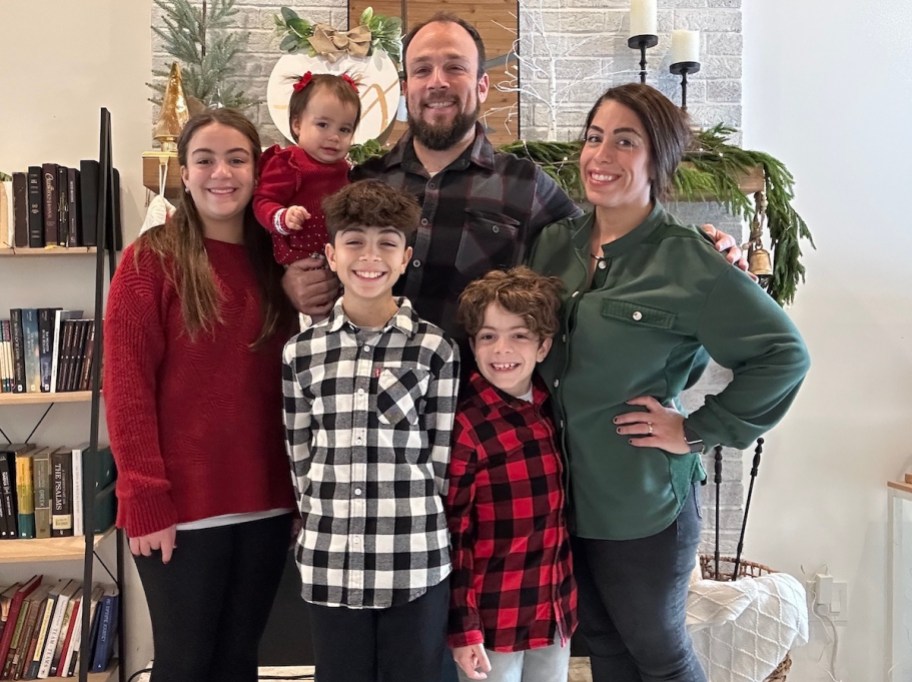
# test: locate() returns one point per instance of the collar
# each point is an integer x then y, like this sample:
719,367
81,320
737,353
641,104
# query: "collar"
491,396
405,320
480,152
656,218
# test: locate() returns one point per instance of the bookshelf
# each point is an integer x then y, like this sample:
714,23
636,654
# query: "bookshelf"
34,553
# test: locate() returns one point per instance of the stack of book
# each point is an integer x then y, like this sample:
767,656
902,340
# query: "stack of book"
56,206
42,491
46,350
41,627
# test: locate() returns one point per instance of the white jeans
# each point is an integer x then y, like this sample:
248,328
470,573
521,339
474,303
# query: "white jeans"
550,664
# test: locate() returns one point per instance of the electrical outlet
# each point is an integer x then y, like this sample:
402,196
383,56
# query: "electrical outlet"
828,598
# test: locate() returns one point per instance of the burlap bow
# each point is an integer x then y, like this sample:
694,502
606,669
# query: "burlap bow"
334,44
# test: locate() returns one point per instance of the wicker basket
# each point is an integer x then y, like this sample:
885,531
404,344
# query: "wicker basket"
746,569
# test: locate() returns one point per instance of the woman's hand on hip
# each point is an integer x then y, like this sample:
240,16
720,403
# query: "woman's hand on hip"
656,427
163,540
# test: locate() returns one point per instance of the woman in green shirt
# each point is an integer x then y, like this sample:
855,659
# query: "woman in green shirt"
648,302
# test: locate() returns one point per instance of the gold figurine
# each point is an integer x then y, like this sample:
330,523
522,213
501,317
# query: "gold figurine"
759,261
174,112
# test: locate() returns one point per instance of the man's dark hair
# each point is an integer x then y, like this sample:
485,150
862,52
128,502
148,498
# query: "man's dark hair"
447,18
371,203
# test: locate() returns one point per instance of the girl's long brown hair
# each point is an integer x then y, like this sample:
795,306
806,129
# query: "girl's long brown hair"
179,243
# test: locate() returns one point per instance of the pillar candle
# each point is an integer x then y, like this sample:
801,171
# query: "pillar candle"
642,17
685,46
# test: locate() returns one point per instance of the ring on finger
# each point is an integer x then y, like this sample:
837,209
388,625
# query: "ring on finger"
650,427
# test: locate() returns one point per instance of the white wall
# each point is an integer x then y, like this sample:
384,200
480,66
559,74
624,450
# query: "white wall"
829,91
59,63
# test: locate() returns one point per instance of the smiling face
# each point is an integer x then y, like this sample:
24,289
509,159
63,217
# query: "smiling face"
368,261
326,126
506,351
616,161
220,178
443,89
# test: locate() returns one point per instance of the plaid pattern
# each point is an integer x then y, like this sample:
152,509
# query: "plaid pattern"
512,585
368,421
479,214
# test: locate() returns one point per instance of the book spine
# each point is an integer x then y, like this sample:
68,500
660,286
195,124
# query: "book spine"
18,350
74,233
20,210
79,454
41,479
7,498
31,349
50,642
25,493
103,647
32,667
6,368
45,346
85,381
63,213
88,194
62,490
25,649
35,208
18,627
49,202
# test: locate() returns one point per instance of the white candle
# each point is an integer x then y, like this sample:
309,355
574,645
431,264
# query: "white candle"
642,17
685,46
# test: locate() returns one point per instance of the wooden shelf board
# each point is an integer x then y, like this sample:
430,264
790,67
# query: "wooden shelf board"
48,251
900,485
93,677
151,163
45,398
47,549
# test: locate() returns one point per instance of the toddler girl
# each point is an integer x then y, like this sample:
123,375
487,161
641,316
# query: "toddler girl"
323,113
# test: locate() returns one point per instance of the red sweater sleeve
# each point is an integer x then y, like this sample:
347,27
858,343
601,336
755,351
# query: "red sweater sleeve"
465,626
134,344
277,187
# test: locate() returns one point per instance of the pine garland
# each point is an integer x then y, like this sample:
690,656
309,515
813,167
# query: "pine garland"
386,32
200,39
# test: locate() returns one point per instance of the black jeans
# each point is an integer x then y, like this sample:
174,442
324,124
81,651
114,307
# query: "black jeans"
633,600
210,603
399,644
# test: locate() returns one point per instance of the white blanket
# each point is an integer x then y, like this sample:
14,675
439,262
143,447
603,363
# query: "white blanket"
742,630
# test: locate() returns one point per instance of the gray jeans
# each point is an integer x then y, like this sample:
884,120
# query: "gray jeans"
548,664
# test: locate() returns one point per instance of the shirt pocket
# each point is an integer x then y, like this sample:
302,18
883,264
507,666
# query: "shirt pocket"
638,315
488,241
400,394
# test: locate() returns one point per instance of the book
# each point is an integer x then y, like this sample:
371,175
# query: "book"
66,630
31,668
102,492
6,597
63,217
89,179
30,637
18,351
41,486
61,494
73,655
20,210
33,606
107,627
79,358
59,316
74,230
25,495
50,642
49,201
15,606
31,350
46,318
35,208
6,367
88,352
8,496
18,625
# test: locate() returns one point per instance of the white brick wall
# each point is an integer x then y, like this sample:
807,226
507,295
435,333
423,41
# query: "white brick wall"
713,95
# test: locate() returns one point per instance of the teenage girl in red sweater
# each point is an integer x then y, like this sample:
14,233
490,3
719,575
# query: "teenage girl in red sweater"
194,329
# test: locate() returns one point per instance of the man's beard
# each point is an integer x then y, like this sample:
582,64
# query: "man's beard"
443,136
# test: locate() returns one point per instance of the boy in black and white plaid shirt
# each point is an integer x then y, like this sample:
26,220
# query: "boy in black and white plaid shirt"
370,397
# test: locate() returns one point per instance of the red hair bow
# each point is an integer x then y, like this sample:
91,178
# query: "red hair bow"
351,81
303,82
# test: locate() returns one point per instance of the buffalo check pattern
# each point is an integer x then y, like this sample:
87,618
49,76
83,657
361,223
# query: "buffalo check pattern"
368,421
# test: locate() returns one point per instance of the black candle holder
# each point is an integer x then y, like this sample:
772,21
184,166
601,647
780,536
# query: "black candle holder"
642,43
682,69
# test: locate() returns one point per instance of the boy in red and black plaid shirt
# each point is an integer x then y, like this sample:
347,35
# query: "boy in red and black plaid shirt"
513,597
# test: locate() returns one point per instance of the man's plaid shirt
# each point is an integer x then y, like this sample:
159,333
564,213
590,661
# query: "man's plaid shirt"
512,586
368,419
481,213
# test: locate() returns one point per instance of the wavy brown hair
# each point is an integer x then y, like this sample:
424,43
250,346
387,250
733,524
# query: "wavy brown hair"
180,246
520,291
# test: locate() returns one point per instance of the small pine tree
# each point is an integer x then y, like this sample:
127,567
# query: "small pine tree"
201,40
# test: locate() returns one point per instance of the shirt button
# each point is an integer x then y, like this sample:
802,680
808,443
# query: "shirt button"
556,383
637,315
416,263
495,229
563,338
424,221
574,294
432,185
562,424
602,265
360,391
357,491
367,347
